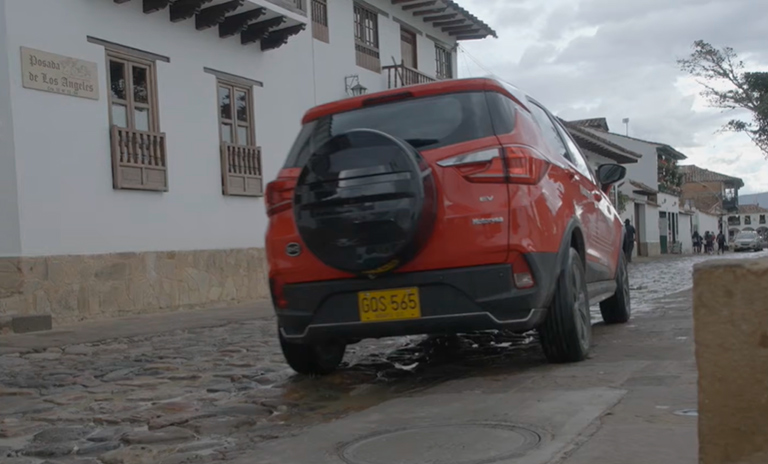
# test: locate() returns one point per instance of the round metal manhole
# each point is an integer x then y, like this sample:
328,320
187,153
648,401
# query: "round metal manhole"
687,412
462,443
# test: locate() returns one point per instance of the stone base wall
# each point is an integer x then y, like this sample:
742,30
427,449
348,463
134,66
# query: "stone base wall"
79,287
730,313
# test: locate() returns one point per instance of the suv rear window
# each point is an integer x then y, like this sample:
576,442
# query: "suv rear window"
426,123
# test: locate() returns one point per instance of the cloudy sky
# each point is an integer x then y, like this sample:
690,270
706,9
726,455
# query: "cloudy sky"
616,59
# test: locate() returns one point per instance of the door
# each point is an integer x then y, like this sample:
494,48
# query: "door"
408,48
606,225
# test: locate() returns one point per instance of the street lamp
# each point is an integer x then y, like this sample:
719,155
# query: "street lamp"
353,87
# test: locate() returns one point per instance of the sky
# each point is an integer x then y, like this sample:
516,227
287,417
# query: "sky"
617,59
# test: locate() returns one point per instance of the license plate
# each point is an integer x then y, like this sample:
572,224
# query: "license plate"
389,305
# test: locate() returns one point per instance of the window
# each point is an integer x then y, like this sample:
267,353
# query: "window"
576,156
762,219
235,110
747,220
426,123
367,38
138,148
240,157
444,62
549,131
320,20
408,48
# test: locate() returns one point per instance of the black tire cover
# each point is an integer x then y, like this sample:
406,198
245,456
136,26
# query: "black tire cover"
365,202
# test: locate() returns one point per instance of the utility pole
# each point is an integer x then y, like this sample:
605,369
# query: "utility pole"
626,124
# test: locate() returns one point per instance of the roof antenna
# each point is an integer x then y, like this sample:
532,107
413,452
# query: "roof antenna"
626,124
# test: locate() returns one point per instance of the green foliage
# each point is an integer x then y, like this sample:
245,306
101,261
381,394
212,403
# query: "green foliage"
622,206
728,86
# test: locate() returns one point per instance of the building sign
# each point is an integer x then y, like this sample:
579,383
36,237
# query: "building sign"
59,74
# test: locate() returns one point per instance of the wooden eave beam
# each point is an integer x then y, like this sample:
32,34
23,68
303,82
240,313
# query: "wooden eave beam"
413,6
279,37
120,2
430,11
473,36
258,31
239,22
152,6
452,22
185,9
429,19
398,2
459,28
214,15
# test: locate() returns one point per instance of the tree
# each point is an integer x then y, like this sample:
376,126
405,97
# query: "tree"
728,86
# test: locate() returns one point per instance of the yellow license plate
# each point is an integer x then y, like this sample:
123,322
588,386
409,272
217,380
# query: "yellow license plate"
389,305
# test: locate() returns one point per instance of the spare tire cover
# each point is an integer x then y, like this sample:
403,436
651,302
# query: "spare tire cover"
365,202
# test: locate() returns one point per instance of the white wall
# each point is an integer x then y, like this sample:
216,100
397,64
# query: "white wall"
686,232
10,238
646,169
66,201
705,222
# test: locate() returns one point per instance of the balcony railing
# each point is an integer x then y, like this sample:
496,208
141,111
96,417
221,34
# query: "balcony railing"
139,160
402,76
241,173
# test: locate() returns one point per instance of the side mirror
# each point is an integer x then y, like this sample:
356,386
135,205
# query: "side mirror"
609,174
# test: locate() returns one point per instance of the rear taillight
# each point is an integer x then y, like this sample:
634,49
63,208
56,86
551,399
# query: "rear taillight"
514,164
276,289
279,195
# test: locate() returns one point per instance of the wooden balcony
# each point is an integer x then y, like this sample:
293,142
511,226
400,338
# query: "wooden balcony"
402,76
241,173
139,160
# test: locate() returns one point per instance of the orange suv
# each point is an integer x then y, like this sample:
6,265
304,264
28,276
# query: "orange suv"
442,208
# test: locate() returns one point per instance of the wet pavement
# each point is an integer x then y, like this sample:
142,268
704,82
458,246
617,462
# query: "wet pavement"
212,394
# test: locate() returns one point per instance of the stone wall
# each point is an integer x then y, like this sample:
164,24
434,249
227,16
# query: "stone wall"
74,288
731,333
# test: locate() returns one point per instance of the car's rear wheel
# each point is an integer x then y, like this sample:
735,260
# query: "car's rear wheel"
566,334
313,359
617,309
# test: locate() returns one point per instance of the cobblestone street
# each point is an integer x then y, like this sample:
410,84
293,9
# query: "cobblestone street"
212,394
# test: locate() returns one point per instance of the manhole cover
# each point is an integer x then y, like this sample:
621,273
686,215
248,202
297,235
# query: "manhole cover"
465,443
687,412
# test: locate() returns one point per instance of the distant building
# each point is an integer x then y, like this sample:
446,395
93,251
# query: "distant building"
651,190
749,218
710,193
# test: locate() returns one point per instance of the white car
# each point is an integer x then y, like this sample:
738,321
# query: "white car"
747,241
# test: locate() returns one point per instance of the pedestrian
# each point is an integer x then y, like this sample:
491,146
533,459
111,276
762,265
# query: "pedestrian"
721,243
696,241
629,240
709,242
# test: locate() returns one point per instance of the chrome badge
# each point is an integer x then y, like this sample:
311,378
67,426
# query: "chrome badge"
484,221
293,249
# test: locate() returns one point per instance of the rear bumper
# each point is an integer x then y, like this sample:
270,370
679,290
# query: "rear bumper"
452,301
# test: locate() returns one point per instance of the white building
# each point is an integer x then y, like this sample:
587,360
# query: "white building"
749,218
136,136
652,200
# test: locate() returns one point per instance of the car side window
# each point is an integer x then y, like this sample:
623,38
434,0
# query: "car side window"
548,130
577,157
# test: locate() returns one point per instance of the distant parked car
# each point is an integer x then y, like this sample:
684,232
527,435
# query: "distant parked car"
747,241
